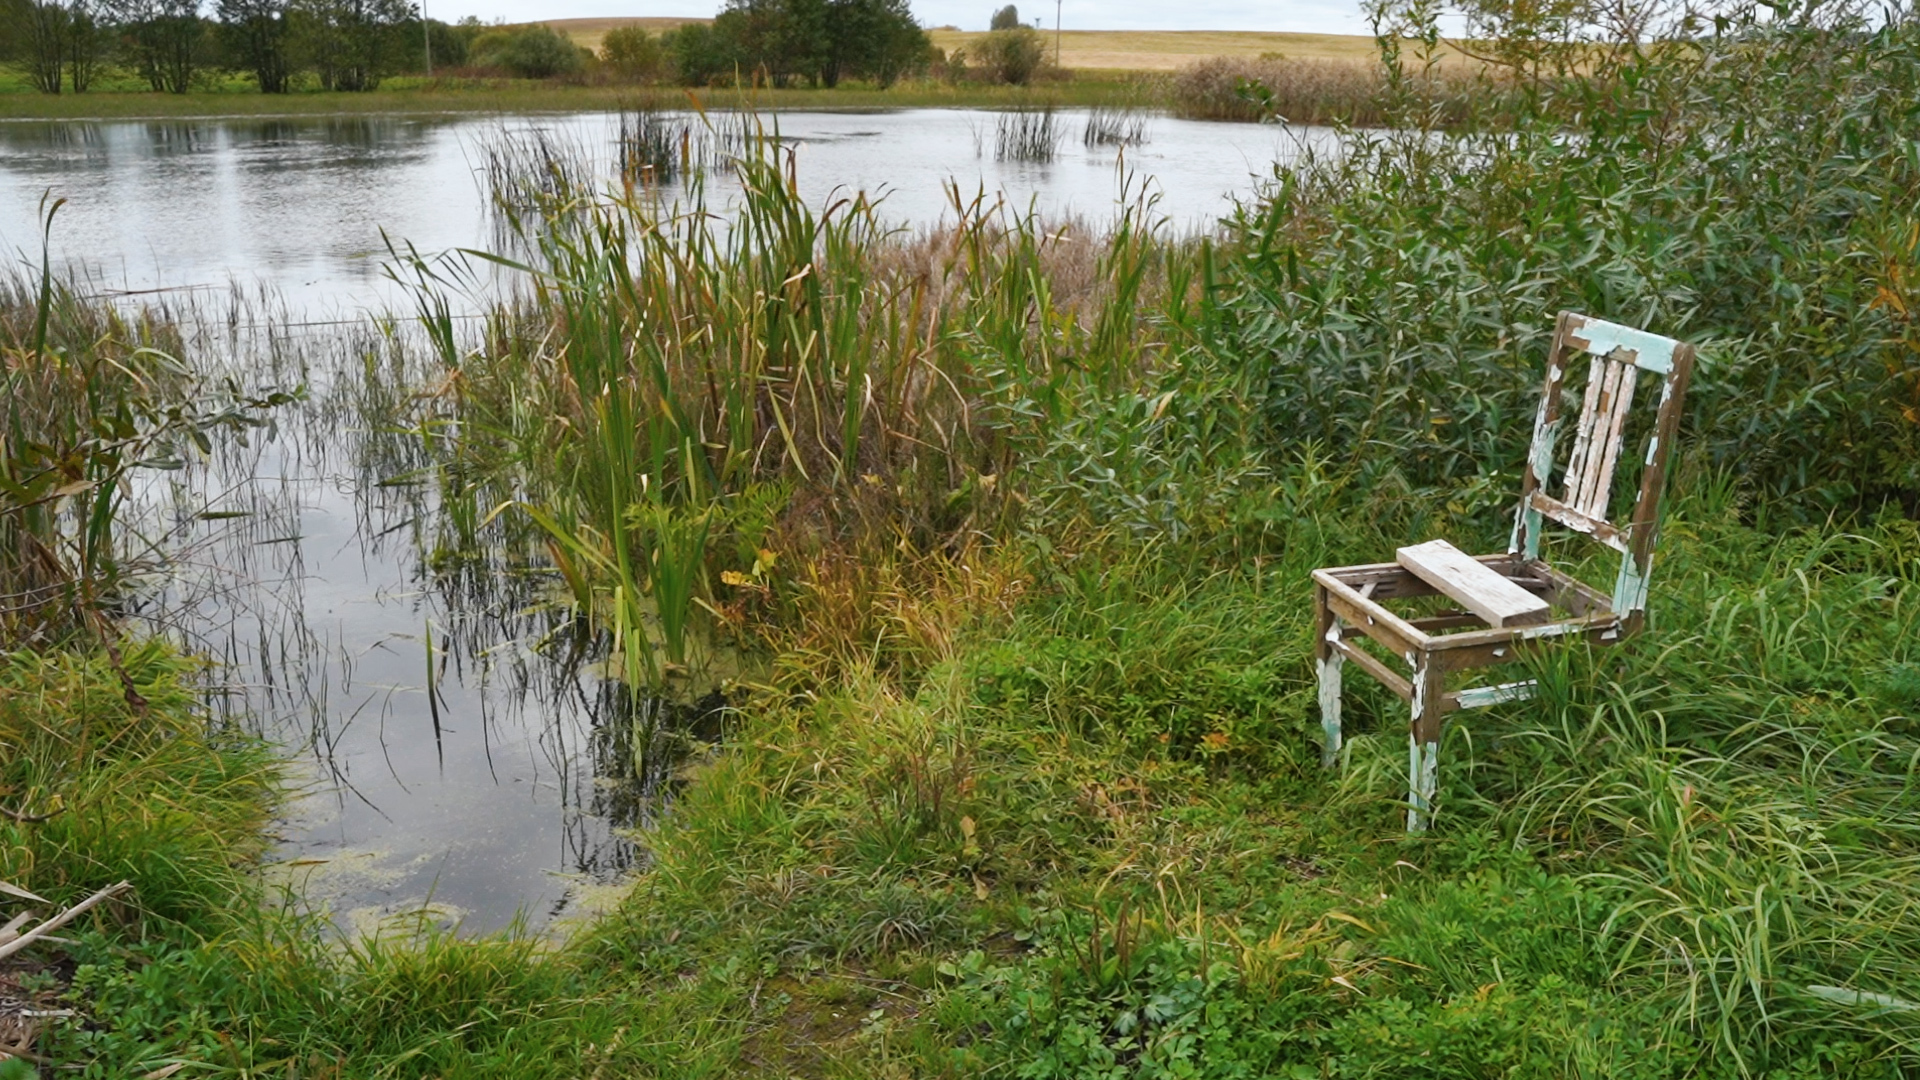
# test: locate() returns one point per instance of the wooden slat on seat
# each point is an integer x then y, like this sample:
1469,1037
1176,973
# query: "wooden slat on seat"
1472,585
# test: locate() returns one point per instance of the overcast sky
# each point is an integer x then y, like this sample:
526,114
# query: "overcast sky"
1299,16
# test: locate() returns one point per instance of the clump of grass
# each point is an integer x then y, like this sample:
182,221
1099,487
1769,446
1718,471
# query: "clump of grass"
677,364
1114,127
1027,135
657,147
89,395
1320,91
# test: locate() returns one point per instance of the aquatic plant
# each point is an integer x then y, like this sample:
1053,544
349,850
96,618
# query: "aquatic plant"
1027,135
666,363
1114,127
89,395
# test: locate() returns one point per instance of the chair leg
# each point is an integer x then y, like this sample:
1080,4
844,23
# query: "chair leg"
1423,743
1327,666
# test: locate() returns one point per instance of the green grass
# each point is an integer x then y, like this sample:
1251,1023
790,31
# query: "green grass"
121,99
1022,522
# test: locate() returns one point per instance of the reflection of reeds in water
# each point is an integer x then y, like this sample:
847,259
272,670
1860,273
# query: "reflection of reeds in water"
1114,127
1027,135
90,397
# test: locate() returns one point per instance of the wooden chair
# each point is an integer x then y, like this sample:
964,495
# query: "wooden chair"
1515,601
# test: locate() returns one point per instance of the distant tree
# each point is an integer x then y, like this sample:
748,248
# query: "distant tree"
1004,19
900,47
39,33
531,52
89,35
1012,56
164,40
449,43
772,40
633,53
40,36
255,37
698,55
351,44
824,41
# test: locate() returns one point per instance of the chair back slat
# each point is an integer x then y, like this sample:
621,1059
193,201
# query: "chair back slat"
1583,433
1603,452
1617,355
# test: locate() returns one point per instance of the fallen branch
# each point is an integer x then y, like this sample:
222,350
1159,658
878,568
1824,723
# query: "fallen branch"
23,1054
30,819
62,919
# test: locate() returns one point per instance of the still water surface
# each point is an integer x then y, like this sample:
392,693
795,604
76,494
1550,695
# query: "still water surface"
302,204
500,785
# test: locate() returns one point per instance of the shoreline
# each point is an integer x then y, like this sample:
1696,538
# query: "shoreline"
23,107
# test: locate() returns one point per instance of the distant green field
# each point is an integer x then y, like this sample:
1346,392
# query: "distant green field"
123,99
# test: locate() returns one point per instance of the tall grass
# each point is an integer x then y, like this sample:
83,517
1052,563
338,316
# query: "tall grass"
669,374
1027,135
1114,127
1308,91
89,395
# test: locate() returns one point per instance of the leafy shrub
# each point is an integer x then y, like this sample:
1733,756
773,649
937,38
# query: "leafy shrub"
1011,56
634,53
531,52
1397,299
1301,91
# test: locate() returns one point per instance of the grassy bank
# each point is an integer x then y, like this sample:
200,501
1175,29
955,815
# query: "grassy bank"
402,96
1022,517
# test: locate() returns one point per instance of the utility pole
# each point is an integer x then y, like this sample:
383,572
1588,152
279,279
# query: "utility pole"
1056,33
426,35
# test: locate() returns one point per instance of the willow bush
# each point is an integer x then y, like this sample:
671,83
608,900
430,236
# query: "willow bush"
1753,191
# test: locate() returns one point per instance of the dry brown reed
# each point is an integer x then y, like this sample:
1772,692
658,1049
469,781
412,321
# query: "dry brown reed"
1308,91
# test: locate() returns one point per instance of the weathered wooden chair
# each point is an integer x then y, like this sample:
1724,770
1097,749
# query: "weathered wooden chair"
1514,601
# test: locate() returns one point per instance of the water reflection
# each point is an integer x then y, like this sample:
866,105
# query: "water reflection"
451,737
303,204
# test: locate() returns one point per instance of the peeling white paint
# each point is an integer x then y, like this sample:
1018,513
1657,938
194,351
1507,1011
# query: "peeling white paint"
1651,352
1482,696
1423,767
1630,588
1330,702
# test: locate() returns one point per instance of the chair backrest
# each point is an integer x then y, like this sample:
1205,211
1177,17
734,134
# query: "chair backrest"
1616,355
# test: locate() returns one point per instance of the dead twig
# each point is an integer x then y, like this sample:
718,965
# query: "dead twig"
62,919
30,819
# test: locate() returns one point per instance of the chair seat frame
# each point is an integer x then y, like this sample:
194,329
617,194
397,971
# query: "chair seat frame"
1347,599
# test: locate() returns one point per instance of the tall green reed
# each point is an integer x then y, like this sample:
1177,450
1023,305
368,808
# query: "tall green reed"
91,394
664,362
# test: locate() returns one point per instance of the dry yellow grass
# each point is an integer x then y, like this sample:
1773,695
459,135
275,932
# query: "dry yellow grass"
1097,50
588,32
1169,50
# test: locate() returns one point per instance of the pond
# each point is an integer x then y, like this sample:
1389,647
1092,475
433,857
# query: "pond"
302,204
451,738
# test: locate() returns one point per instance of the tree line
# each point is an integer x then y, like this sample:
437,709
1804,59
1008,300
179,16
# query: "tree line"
782,43
818,43
175,45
